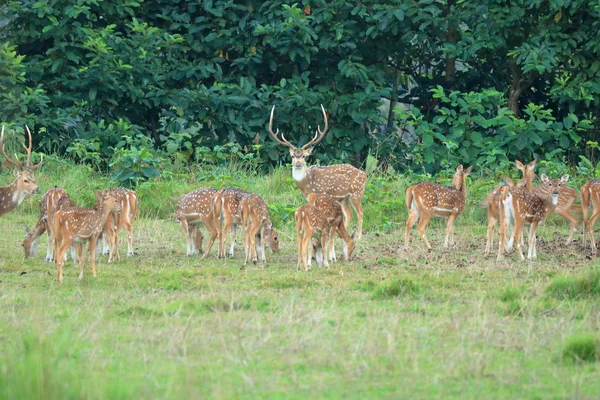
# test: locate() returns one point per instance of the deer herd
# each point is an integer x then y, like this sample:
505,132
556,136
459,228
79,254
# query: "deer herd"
331,192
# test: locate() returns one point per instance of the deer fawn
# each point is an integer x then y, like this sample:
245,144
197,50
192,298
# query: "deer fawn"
192,209
343,182
426,199
494,204
321,215
76,226
14,194
49,204
115,222
590,195
527,208
258,228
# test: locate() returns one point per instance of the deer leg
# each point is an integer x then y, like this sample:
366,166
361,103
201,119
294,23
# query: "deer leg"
413,216
357,203
590,226
80,259
346,211
422,226
450,231
214,233
129,228
300,240
531,251
331,244
60,247
325,246
573,222
518,233
308,251
492,219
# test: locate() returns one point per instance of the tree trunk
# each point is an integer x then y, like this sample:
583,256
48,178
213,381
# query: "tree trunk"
517,87
393,101
451,38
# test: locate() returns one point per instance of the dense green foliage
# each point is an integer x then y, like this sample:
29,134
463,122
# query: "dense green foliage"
478,82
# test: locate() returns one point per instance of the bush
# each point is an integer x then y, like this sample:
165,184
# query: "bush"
581,348
574,288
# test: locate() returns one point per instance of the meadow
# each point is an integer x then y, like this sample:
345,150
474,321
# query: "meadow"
390,323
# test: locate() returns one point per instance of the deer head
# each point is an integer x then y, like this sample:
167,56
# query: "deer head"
24,180
299,154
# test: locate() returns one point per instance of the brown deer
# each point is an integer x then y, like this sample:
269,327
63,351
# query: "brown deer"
590,195
115,222
343,182
566,197
493,203
192,209
226,206
14,194
76,226
321,215
426,199
49,204
523,208
258,228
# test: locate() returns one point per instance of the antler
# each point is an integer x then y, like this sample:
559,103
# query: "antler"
16,161
318,134
6,157
28,163
275,135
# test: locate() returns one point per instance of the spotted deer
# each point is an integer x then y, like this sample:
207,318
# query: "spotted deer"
192,209
24,184
76,226
258,228
115,222
49,204
524,208
321,215
226,205
493,203
566,197
426,199
590,195
343,182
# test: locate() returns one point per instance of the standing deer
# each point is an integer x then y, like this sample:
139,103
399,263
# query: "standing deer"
321,215
258,228
226,206
49,204
426,199
590,195
76,226
192,209
343,182
115,222
493,203
527,208
566,197
14,194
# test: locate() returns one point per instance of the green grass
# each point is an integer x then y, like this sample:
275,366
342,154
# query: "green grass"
391,323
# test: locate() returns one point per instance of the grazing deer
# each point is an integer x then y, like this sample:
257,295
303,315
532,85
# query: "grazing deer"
527,208
493,203
49,204
590,195
566,197
192,209
258,228
321,215
76,226
115,222
343,182
426,199
14,194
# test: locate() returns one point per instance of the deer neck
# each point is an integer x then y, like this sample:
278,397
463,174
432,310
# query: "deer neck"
302,178
10,197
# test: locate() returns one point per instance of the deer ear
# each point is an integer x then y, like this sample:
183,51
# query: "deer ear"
564,178
531,165
508,181
308,151
519,165
16,173
544,178
468,171
459,169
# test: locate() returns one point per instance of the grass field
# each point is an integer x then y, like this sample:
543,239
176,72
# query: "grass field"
392,323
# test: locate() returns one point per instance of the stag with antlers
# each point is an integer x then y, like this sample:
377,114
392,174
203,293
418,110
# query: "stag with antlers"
14,194
342,182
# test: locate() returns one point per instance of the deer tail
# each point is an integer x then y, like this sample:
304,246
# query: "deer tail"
409,196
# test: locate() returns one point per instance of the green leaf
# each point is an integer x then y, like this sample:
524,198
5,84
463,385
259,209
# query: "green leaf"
92,93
